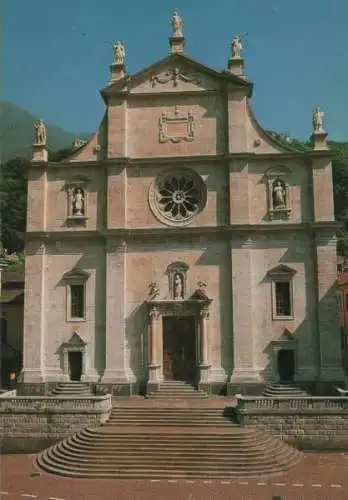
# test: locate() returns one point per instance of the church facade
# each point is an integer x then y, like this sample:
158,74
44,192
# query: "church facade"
182,242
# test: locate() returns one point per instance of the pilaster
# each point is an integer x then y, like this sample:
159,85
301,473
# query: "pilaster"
244,365
322,189
239,209
34,314
237,120
116,369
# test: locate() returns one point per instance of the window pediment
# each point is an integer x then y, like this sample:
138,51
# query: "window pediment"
281,270
76,275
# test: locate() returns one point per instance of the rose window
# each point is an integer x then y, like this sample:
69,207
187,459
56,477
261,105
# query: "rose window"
178,197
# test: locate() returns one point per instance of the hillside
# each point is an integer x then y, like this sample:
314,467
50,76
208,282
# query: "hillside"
17,132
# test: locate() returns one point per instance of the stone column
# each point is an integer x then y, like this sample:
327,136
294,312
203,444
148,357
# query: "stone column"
244,369
155,348
204,364
116,369
330,353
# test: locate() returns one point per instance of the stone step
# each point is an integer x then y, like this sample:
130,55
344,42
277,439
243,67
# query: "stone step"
180,449
191,462
51,466
174,442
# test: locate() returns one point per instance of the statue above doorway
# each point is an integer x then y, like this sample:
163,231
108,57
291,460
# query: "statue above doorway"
177,274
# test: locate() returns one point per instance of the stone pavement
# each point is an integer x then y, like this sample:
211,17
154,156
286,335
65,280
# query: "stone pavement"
320,476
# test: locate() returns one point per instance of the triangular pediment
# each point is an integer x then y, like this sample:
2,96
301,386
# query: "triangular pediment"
76,274
287,336
176,72
75,341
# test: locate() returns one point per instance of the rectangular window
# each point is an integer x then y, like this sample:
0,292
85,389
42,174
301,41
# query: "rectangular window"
283,298
77,301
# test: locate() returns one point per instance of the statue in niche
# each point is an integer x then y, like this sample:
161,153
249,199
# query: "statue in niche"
178,288
318,119
119,52
40,133
237,47
176,24
78,203
279,195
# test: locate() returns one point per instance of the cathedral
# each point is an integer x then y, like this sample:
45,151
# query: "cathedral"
182,242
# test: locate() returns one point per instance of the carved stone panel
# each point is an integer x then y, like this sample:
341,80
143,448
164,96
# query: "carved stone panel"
176,127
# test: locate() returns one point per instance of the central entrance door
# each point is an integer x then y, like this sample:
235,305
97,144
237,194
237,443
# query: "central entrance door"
179,348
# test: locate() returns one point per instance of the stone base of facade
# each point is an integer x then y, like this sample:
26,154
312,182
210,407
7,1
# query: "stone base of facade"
124,389
246,388
213,388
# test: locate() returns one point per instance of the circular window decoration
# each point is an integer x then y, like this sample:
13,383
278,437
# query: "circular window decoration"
177,197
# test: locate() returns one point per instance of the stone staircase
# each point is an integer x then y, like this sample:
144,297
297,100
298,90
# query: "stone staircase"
284,390
160,443
177,390
75,389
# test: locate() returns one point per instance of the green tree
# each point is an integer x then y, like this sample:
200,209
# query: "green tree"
13,202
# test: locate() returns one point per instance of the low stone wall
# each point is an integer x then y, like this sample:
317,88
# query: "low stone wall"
32,423
311,423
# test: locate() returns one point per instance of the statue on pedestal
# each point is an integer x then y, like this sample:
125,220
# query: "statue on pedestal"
237,47
40,133
279,194
119,53
178,288
318,119
177,24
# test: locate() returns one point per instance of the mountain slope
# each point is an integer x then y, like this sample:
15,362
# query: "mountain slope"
17,133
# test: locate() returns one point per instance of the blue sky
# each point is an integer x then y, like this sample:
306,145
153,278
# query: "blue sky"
56,54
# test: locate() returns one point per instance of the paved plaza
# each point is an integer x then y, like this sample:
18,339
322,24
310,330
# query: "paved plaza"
319,476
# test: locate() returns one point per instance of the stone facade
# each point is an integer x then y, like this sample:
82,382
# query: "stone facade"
180,173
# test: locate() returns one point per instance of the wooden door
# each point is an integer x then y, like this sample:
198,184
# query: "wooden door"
179,348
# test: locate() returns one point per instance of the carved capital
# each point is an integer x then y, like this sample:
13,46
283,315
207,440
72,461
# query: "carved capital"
154,314
205,314
116,246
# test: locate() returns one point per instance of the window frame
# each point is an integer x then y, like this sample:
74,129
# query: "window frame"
75,277
282,274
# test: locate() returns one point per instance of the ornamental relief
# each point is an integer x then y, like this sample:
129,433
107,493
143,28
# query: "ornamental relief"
176,127
175,75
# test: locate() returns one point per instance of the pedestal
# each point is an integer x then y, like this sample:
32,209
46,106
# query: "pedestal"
117,72
40,153
236,66
318,140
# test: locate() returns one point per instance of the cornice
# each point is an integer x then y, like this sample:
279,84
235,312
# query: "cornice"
134,96
182,232
220,158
